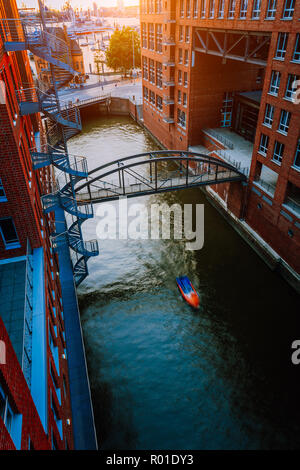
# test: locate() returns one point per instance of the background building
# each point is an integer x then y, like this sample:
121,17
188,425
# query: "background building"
218,77
74,55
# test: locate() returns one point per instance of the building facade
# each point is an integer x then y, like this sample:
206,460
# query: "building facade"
221,77
39,318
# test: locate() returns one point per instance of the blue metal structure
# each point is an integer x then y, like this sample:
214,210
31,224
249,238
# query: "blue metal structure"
154,172
62,123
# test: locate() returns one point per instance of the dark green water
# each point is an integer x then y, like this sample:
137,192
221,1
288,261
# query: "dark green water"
166,377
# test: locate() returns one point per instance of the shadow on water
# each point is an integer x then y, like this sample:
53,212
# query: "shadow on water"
163,376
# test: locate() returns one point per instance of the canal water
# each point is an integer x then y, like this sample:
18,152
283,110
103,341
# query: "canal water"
166,377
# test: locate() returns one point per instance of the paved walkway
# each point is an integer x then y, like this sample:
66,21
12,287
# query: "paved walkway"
122,90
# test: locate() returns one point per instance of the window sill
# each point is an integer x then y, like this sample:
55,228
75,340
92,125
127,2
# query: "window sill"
276,162
282,132
12,246
296,168
261,153
269,126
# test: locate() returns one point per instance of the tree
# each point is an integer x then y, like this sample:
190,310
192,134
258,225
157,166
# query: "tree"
119,54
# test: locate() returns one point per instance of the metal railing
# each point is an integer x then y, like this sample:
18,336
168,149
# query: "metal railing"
219,137
267,186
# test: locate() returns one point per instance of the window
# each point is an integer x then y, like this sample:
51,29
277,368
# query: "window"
221,9
296,55
278,151
151,6
187,34
180,56
180,33
269,114
185,79
54,350
56,417
297,156
181,8
158,74
3,197
288,10
226,110
144,35
291,86
181,118
281,45
275,82
179,96
158,37
256,9
284,122
271,10
159,104
145,68
158,6
203,8
243,10
184,99
180,77
195,12
151,36
12,421
188,8
9,234
186,57
152,97
211,8
151,71
231,9
146,94
264,142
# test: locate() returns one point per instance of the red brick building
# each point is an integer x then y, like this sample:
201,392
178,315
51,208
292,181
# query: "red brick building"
220,76
35,386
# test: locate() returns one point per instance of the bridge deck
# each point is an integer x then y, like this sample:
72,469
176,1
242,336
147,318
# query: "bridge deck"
109,192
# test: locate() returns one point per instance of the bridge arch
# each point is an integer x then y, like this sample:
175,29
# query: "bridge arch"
154,172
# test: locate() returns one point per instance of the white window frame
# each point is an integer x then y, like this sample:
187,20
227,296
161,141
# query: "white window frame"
274,83
231,9
296,163
243,9
288,10
284,122
256,9
195,9
278,152
290,90
269,115
221,9
203,8
282,42
211,9
271,10
264,143
3,197
296,54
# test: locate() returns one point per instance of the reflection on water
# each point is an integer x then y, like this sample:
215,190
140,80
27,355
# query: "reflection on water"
162,375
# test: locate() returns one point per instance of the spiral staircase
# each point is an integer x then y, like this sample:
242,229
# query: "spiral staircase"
62,123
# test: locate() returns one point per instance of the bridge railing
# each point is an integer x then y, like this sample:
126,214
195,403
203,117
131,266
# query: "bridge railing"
139,175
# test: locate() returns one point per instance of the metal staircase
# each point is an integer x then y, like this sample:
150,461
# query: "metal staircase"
62,123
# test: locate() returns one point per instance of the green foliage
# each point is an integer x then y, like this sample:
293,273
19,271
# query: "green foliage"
119,54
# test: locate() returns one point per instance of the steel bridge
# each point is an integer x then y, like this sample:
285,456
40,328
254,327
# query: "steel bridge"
154,172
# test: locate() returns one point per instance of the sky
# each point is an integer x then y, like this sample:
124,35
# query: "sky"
77,3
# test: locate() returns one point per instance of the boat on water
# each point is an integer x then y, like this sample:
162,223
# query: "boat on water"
188,291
